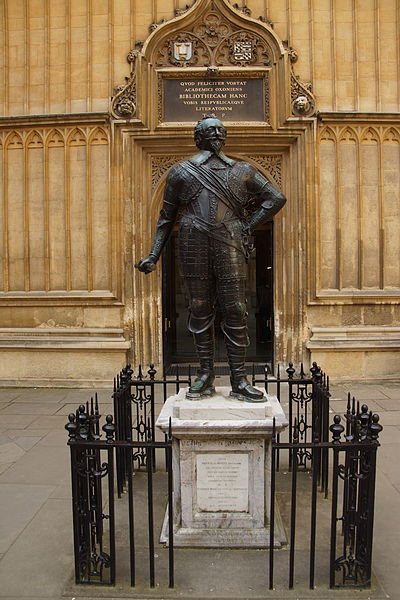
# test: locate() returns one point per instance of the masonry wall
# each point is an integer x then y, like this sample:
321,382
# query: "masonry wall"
63,291
62,56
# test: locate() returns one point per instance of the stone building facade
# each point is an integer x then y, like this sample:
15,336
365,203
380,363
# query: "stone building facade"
85,147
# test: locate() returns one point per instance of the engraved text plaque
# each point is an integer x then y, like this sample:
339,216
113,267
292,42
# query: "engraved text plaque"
222,482
231,99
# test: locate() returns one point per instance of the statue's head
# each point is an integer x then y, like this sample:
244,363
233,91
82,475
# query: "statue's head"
210,134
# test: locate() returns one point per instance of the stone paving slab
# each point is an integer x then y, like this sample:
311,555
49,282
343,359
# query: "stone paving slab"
30,408
10,453
26,443
387,533
4,467
39,466
66,409
7,394
83,395
223,575
16,421
63,491
19,504
340,406
363,395
389,417
388,457
50,423
39,562
55,438
28,432
389,404
41,395
390,435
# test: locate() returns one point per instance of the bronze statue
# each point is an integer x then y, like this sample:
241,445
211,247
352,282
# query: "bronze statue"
217,202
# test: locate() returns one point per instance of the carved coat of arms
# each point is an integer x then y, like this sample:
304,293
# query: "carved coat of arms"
242,50
183,50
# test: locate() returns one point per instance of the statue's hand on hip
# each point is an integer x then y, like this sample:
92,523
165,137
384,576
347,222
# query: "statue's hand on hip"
146,265
246,228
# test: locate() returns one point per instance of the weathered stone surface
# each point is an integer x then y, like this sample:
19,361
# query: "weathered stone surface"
221,458
19,504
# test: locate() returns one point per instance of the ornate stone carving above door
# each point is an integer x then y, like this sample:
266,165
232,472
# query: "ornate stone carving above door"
210,41
215,41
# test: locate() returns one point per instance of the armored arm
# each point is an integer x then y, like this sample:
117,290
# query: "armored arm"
165,222
269,200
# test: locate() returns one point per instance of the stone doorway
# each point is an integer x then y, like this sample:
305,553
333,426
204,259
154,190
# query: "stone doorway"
177,341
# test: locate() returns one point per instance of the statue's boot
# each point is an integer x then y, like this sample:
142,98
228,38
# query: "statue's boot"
203,385
236,340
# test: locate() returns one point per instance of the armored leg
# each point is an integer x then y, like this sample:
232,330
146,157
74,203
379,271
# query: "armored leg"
195,258
234,326
201,325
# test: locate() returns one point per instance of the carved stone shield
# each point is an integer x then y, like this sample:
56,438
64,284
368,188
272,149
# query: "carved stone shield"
183,50
242,51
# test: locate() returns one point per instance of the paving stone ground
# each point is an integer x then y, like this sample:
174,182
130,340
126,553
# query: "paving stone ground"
36,556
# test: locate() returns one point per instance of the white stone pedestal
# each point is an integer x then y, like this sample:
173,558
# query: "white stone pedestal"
221,465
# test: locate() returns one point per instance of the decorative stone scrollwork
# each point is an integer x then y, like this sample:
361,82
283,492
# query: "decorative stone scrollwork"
243,9
303,101
215,41
159,166
213,29
154,26
123,103
293,55
271,163
264,20
181,11
212,71
133,54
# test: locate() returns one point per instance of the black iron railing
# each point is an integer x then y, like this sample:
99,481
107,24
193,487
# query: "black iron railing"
308,412
92,464
354,468
313,444
134,400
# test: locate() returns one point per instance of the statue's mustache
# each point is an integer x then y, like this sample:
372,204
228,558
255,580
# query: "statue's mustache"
214,143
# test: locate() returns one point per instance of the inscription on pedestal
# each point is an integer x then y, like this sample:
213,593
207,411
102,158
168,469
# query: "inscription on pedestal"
222,482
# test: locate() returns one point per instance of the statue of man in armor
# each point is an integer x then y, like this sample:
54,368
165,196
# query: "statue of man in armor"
218,202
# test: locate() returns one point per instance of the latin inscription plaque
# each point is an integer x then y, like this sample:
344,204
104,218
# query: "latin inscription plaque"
231,99
222,482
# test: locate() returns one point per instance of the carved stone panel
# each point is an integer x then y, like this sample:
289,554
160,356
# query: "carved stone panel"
160,165
214,41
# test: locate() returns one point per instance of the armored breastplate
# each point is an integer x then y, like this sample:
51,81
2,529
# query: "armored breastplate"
208,206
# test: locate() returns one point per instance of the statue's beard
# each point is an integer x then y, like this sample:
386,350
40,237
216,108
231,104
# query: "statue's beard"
214,145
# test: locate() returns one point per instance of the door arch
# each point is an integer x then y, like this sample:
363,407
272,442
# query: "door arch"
178,344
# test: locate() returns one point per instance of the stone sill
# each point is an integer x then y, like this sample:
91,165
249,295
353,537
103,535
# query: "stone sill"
54,119
353,115
73,338
354,338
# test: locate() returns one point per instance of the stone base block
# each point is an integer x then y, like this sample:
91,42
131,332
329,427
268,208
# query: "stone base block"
221,470
225,538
